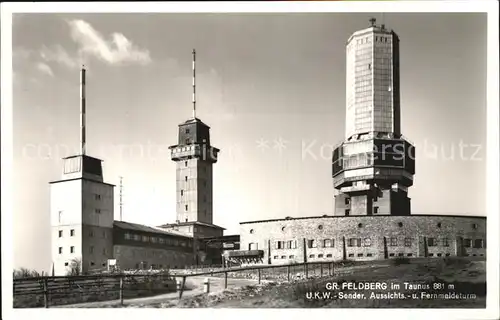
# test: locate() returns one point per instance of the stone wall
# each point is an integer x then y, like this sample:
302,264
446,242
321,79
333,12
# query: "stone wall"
375,237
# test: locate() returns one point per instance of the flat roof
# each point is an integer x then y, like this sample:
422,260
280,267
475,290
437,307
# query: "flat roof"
82,178
190,223
330,216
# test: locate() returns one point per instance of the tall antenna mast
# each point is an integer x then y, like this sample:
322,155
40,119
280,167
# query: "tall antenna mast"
194,84
83,138
121,198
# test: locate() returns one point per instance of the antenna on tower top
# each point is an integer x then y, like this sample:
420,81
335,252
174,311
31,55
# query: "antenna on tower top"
372,21
121,198
83,138
194,84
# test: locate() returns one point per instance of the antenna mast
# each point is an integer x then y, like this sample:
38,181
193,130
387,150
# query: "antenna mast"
83,138
194,84
121,198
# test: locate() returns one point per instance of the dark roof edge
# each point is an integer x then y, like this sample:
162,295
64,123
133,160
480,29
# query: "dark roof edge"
86,179
324,217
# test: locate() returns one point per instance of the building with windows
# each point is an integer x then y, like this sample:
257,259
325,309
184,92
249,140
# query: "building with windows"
85,233
372,170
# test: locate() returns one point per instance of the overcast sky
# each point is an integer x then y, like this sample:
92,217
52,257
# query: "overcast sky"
272,88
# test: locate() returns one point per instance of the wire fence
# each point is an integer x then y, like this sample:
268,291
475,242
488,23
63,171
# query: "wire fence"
54,291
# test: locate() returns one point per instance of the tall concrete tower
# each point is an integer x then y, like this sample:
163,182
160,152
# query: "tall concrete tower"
195,157
81,208
374,166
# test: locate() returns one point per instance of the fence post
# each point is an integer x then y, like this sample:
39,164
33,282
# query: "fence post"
225,280
288,271
121,290
259,274
182,286
46,292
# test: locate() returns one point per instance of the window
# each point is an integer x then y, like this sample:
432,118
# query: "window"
186,207
478,243
431,254
161,240
320,256
66,264
60,233
97,210
97,196
72,249
275,257
474,226
311,256
104,264
91,249
347,211
407,242
329,255
288,244
137,237
128,236
360,254
145,238
351,255
154,240
439,225
185,162
328,243
431,242
182,193
72,232
354,242
60,250
280,245
311,244
92,263
283,257
375,209
291,257
411,254
394,242
400,224
185,178
347,201
360,225
369,254
375,199
187,130
367,242
391,254
446,242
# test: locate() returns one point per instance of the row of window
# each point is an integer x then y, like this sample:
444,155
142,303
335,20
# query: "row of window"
91,233
366,242
91,250
160,240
